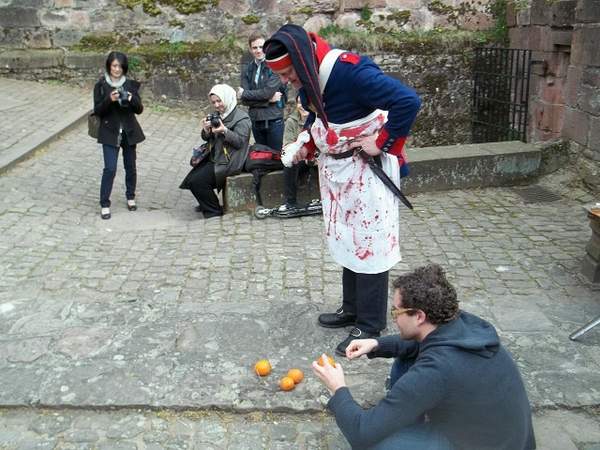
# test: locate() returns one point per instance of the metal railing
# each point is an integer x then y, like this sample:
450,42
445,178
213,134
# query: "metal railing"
500,94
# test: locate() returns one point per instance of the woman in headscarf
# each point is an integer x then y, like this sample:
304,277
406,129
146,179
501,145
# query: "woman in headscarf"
116,102
226,132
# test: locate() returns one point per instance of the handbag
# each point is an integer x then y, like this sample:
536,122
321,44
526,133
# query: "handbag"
199,154
93,125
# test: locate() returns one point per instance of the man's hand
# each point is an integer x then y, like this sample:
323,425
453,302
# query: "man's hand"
240,91
332,377
275,98
367,143
359,347
301,155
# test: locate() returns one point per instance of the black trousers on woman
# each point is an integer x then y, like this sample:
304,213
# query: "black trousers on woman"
366,295
202,182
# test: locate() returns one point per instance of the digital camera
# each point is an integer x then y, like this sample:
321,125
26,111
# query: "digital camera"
214,119
123,96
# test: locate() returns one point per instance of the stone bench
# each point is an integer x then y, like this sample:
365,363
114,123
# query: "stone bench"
431,169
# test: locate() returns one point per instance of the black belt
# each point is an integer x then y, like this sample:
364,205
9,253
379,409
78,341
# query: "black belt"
346,154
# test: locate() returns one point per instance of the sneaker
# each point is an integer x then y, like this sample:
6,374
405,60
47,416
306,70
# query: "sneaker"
131,206
337,319
356,333
105,213
286,208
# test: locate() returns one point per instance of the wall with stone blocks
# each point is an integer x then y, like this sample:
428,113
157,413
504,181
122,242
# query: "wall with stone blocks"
62,23
442,80
565,84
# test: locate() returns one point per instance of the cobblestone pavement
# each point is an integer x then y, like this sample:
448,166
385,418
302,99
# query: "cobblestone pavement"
135,332
31,112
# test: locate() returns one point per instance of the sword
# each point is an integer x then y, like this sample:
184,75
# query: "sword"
377,170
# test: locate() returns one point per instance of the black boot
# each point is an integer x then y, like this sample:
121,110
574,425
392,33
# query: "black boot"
337,319
356,333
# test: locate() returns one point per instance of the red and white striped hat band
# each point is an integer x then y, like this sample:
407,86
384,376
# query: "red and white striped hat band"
280,62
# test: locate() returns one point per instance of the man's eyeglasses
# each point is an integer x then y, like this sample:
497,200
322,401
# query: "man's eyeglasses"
395,311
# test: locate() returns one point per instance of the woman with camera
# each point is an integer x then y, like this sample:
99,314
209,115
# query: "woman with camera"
116,102
226,132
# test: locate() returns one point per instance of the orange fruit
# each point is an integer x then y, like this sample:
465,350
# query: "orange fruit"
287,384
262,367
322,363
296,374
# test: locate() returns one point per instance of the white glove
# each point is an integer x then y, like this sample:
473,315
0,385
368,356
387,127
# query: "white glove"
288,152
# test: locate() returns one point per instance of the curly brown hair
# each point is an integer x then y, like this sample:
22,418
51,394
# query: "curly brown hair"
427,289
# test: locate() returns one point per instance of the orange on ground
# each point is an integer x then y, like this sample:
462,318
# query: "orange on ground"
262,367
322,363
296,374
286,384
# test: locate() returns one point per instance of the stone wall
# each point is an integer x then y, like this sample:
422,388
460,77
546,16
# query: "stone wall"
565,84
442,80
63,23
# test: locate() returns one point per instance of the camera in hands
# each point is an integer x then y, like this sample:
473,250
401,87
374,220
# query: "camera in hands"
123,96
214,119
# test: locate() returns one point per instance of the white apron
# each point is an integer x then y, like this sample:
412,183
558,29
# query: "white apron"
361,215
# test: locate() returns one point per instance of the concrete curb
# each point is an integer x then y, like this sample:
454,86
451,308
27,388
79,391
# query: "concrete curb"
26,147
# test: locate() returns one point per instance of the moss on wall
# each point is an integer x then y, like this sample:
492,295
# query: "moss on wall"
434,42
400,17
158,52
250,19
303,10
152,8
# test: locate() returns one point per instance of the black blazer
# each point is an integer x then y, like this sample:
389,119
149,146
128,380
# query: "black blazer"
113,116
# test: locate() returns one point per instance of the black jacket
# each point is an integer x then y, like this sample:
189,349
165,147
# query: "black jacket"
256,95
113,116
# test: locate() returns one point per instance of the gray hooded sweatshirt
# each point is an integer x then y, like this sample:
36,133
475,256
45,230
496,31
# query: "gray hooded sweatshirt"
463,379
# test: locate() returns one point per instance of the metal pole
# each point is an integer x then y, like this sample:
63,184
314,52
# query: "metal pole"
585,329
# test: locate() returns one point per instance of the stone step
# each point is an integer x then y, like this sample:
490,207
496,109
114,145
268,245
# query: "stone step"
432,169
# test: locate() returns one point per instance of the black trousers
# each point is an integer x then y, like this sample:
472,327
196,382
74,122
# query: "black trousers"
202,183
290,181
366,296
290,184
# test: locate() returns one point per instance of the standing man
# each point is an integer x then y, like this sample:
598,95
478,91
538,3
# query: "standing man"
265,96
354,110
453,385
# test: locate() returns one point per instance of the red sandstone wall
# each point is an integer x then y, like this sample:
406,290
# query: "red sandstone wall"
565,84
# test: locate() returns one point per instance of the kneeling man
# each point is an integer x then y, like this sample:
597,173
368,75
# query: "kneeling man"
453,385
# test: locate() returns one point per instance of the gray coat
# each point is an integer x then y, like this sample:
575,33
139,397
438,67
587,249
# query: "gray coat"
229,151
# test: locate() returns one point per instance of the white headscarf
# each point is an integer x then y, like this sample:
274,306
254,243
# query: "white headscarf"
227,95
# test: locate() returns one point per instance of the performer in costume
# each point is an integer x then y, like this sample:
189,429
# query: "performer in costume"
353,106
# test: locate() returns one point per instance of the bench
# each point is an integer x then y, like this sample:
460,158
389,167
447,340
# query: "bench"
432,169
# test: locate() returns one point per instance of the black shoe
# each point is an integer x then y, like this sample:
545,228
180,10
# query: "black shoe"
209,215
337,319
356,333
